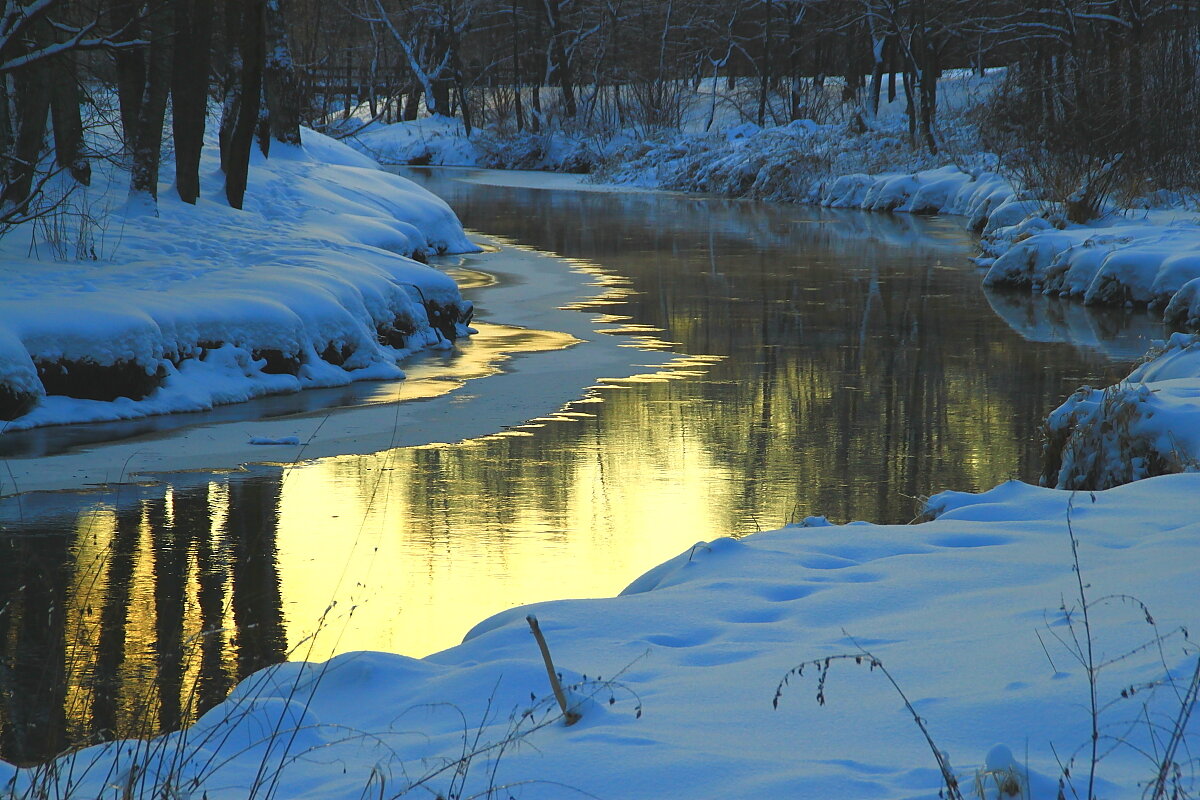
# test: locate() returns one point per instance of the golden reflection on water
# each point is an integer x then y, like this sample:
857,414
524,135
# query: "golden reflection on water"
420,562
490,347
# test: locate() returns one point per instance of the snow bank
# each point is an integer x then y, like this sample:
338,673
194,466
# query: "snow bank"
1149,424
437,141
1128,261
821,164
313,284
675,677
442,141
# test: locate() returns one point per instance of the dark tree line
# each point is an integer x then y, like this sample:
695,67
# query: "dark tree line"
1097,89
164,61
1098,77
1101,97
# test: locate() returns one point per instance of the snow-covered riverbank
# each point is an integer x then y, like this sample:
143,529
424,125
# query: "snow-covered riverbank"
481,387
110,312
676,677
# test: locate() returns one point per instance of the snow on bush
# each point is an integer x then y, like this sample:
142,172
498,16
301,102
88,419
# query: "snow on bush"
1149,424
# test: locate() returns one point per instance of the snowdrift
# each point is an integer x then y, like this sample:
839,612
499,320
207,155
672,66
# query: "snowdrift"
1129,261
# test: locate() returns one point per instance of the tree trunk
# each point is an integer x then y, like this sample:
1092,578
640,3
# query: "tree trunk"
130,62
412,102
64,114
560,65
349,68
518,78
795,106
460,84
245,112
33,103
764,69
189,91
879,46
232,94
930,72
535,118
152,109
910,106
280,86
7,137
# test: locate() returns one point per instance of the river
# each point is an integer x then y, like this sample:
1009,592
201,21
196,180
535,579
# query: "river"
651,370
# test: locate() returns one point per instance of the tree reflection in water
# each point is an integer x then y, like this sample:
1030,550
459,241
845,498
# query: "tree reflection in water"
134,615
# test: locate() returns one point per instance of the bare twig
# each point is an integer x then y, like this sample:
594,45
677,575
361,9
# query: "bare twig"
570,715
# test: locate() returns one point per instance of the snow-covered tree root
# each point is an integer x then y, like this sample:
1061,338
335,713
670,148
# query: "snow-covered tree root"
1146,425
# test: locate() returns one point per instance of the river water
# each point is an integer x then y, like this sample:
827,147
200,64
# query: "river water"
695,368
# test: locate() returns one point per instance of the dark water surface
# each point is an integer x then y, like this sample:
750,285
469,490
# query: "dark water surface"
842,364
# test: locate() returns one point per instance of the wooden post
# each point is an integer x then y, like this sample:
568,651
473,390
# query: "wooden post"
570,715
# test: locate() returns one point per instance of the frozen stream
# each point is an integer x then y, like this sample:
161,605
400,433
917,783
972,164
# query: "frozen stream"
650,370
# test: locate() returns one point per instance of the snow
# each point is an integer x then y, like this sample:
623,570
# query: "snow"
195,298
675,677
281,440
436,140
1136,260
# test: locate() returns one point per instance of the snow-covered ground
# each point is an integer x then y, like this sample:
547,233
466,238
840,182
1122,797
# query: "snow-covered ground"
112,312
976,615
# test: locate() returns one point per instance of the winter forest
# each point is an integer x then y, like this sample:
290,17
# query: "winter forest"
1100,96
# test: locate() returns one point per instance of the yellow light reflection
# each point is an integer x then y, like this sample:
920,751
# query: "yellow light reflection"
413,579
484,354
